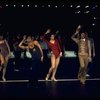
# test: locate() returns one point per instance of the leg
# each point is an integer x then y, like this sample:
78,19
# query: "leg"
4,66
81,69
81,65
86,63
54,71
35,71
84,69
89,67
52,66
1,61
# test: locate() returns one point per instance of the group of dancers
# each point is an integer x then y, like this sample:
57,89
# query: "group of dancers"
35,49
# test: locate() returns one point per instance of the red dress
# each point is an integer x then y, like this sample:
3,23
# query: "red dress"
55,47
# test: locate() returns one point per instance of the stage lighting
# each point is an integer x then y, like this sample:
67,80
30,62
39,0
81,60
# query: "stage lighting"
96,5
6,5
93,7
87,12
14,5
94,18
77,12
71,5
28,5
78,6
48,5
22,5
63,5
93,24
35,5
56,6
87,6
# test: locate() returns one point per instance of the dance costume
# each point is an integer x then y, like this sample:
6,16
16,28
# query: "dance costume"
55,47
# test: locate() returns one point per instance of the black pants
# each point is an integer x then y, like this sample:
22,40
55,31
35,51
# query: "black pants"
17,58
35,71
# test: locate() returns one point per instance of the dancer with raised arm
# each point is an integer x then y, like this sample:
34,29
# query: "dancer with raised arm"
55,54
36,56
84,53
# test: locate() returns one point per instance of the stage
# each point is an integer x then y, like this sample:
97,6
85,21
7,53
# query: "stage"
18,19
63,88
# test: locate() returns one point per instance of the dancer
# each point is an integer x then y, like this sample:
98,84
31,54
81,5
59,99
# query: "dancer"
92,46
84,53
5,55
37,56
55,54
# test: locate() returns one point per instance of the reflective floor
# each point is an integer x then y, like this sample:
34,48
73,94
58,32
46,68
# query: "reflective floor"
63,88
67,86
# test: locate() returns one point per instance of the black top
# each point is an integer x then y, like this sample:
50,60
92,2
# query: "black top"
35,52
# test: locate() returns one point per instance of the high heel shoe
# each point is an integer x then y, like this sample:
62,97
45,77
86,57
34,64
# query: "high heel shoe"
82,81
53,79
4,79
47,77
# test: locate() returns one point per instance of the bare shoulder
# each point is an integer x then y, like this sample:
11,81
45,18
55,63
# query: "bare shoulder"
35,42
2,41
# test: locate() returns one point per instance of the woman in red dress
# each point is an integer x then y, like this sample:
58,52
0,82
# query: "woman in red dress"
55,54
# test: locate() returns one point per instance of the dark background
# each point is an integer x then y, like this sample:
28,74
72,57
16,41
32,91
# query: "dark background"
34,20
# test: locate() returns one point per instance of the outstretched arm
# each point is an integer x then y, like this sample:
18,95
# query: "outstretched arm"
76,33
21,43
74,38
43,37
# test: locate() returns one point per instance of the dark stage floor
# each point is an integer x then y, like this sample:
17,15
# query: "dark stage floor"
67,86
63,88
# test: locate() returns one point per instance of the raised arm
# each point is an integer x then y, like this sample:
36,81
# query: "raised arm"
21,43
43,37
73,37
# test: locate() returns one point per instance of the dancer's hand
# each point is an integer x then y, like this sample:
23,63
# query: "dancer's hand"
42,58
48,31
24,37
60,54
90,59
78,29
